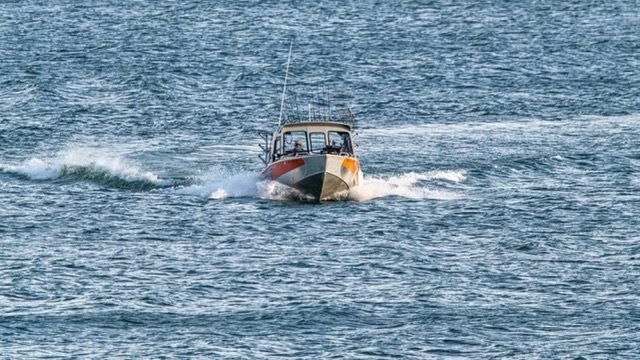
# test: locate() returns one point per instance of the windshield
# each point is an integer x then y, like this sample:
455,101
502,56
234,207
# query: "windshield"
293,139
340,140
318,141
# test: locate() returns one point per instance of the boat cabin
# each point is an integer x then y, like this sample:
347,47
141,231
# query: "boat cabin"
307,138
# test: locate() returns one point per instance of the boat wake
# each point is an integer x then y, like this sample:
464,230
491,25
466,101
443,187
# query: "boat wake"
221,184
102,167
88,164
218,184
410,185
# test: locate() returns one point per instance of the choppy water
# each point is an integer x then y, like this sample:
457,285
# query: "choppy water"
499,217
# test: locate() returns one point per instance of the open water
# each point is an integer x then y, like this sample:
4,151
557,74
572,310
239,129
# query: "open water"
500,215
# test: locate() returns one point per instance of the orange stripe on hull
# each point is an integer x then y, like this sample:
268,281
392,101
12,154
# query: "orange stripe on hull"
350,164
282,167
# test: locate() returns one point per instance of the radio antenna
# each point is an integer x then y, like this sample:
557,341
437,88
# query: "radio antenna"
284,88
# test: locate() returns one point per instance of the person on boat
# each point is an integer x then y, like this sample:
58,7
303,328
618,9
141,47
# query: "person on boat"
297,147
332,148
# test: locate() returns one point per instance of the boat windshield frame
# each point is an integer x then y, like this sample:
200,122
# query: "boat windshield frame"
287,134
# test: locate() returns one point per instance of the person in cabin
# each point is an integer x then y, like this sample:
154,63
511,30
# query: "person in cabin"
344,147
297,147
333,148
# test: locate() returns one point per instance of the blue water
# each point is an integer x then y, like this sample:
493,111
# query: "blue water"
499,216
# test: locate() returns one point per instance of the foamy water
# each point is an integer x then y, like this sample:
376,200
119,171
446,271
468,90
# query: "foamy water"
220,183
410,185
86,162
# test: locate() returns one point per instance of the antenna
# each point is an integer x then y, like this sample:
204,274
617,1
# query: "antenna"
297,109
284,88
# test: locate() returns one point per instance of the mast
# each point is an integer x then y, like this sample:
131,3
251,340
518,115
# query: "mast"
284,88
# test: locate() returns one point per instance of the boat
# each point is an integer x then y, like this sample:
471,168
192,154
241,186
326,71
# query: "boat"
317,158
314,154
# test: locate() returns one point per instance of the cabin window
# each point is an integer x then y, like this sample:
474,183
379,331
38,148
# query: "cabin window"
291,137
340,140
318,141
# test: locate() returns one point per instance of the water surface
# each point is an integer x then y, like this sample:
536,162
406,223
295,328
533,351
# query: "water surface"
498,219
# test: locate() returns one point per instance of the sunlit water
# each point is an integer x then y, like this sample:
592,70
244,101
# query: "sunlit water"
499,215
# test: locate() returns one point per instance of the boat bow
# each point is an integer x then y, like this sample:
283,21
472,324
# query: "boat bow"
322,176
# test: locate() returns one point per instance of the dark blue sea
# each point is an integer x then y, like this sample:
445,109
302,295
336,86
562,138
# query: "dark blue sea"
499,216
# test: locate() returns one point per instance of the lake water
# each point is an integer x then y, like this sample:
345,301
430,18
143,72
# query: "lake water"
499,215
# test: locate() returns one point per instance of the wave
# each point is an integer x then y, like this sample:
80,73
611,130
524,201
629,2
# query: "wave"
221,183
89,165
407,186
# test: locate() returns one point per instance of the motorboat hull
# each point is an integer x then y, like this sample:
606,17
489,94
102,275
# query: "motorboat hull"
321,176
